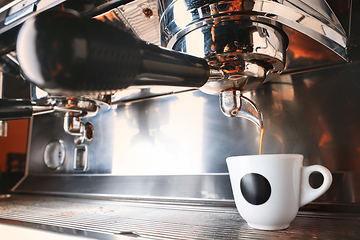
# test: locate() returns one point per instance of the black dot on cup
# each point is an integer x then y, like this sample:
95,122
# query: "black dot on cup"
255,188
316,179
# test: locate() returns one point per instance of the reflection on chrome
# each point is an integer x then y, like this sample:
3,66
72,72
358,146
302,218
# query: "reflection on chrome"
156,136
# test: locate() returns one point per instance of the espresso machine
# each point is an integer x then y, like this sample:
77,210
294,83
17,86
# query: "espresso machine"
135,105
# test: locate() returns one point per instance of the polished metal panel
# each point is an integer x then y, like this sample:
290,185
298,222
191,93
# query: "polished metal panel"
20,13
22,230
181,141
141,220
214,189
41,6
50,129
186,133
4,5
134,17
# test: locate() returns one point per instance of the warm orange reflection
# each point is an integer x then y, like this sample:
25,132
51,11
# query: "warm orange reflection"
236,5
304,47
213,34
325,138
107,16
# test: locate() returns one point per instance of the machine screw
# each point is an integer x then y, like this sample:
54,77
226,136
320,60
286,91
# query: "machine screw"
148,12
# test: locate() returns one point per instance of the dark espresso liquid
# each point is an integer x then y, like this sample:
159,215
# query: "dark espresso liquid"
262,130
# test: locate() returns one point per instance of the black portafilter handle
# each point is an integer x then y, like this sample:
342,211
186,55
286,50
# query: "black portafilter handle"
64,53
11,109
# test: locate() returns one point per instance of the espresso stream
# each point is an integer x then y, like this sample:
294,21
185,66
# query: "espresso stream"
262,130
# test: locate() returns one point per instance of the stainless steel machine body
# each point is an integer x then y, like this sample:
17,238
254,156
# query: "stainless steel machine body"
150,148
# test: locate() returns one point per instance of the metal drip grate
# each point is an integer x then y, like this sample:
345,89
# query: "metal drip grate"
165,221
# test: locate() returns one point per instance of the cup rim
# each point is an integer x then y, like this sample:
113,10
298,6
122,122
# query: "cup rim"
262,156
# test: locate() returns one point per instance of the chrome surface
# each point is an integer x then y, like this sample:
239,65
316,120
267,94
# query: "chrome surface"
76,107
133,16
134,94
180,18
21,6
147,147
81,158
141,220
38,109
247,40
30,230
12,57
3,124
233,104
37,93
227,33
186,134
41,6
89,132
241,40
54,154
8,5
212,189
17,232
229,45
245,51
68,106
242,76
72,110
73,126
161,66
22,12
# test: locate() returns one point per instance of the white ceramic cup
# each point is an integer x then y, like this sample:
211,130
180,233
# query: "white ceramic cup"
269,189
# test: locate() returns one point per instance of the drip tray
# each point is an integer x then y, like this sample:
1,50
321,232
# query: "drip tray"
116,219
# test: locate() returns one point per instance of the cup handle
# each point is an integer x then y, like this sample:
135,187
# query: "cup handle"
308,193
